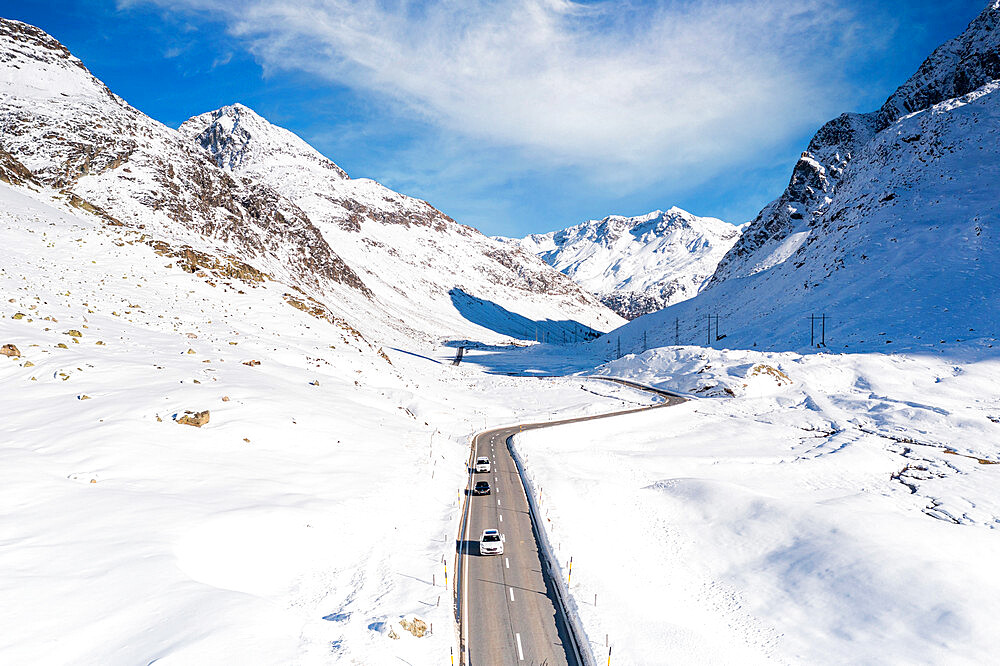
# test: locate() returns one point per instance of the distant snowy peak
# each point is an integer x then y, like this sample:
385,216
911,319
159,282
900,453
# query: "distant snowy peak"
638,264
241,140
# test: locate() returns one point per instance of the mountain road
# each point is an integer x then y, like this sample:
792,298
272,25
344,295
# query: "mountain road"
509,608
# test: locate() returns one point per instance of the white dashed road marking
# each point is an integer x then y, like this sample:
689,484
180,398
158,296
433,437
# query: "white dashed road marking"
520,652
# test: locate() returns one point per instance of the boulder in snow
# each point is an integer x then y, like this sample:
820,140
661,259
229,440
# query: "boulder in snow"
196,419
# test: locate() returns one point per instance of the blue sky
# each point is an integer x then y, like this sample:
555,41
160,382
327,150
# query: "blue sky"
522,116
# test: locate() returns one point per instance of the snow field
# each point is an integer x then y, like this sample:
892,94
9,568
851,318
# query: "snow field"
788,524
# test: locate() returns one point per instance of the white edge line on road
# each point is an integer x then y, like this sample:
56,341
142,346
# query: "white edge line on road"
520,652
511,593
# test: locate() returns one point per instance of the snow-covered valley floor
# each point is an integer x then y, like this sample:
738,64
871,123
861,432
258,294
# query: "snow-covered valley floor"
819,509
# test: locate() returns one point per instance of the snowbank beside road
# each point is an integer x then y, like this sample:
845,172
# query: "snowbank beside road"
839,509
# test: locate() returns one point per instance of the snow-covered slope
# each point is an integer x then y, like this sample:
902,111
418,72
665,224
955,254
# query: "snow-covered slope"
638,265
425,267
278,208
889,226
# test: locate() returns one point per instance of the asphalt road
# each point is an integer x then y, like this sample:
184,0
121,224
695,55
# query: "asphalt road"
508,607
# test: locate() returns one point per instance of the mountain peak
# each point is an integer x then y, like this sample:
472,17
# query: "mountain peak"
23,36
651,224
240,139
955,68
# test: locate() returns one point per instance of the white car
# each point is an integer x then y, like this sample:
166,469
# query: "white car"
491,543
482,464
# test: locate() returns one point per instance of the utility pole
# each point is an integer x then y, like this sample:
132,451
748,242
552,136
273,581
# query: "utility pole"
717,337
822,329
619,346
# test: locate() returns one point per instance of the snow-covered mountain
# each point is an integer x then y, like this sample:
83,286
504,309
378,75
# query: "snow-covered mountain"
638,265
889,225
413,257
809,504
234,195
955,69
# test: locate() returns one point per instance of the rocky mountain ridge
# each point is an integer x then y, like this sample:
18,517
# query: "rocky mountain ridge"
74,135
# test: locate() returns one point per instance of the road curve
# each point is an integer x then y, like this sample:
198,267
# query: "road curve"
508,607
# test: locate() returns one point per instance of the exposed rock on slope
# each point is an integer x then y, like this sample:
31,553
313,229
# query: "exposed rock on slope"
638,265
956,68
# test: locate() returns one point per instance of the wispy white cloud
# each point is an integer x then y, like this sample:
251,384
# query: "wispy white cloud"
222,60
677,88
